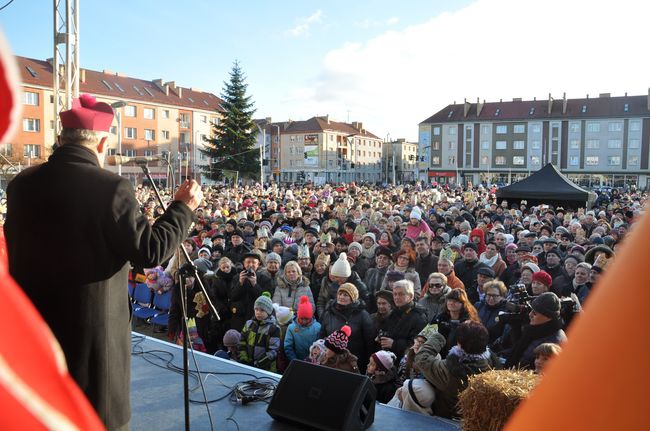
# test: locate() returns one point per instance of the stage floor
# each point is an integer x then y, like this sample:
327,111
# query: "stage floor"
157,395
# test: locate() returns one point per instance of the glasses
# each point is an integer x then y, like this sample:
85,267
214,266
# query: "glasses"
436,285
492,295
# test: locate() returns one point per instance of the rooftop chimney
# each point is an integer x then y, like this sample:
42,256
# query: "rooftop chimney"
466,106
603,95
479,106
550,103
82,75
516,99
162,87
564,103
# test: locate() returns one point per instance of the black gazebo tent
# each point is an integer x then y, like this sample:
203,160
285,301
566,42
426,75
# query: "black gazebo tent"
547,186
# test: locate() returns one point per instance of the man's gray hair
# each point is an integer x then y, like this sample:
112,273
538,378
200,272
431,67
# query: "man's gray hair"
407,285
84,137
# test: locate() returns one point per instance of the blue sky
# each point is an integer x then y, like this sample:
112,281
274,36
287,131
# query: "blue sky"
388,64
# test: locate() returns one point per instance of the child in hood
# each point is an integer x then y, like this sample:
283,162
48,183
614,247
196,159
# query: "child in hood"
382,373
260,338
317,351
157,280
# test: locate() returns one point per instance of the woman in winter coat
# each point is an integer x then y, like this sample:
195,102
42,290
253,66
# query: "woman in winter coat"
346,310
404,262
434,295
320,272
340,273
489,308
457,310
291,286
218,286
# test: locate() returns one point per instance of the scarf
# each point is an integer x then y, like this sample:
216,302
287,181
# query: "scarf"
489,261
462,355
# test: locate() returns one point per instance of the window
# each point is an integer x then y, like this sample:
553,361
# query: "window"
164,134
129,153
185,121
149,135
633,160
112,151
519,128
107,84
574,127
501,129
435,160
31,71
129,111
148,91
614,160
574,144
113,130
633,144
497,112
485,129
31,125
436,145
501,145
500,160
615,126
536,128
148,153
591,160
485,160
535,145
32,151
138,90
30,98
451,160
534,160
518,160
574,160
204,118
130,132
532,111
485,145
584,108
148,113
165,113
452,145
593,144
6,150
119,87
614,143
451,130
182,138
436,130
450,114
635,126
519,145
593,127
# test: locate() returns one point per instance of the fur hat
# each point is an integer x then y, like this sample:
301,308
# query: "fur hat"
264,303
351,290
337,341
547,304
384,359
341,267
387,295
305,309
231,338
543,277
394,276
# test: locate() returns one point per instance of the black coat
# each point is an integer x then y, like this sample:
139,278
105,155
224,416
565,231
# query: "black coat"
358,319
88,222
403,325
467,272
425,265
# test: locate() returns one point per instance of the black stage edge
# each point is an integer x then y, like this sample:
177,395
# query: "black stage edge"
157,395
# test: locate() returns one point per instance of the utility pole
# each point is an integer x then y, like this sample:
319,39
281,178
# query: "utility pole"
65,68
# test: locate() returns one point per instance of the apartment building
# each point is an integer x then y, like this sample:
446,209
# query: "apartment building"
403,157
594,141
153,118
321,150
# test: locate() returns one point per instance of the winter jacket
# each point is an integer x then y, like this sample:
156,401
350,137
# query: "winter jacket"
361,339
467,272
361,266
385,385
449,376
488,314
373,281
316,281
299,339
241,299
329,288
434,304
403,325
425,265
448,328
454,282
260,343
345,361
409,274
290,296
521,355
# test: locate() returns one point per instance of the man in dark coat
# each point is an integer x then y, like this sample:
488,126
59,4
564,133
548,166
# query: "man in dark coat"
426,261
90,223
246,287
467,268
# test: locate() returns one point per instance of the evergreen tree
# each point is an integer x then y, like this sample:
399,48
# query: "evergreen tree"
231,149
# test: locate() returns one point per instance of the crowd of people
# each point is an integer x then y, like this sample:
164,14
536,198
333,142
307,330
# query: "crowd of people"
417,286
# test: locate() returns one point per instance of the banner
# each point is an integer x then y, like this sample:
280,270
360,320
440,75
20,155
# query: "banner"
311,155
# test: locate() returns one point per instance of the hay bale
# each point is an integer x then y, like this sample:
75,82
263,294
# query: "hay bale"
491,397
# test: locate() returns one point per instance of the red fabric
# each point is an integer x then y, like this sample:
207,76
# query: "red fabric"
305,310
543,277
87,113
479,233
36,391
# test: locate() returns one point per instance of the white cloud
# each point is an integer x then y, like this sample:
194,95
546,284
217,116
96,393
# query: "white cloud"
304,24
370,23
392,20
492,49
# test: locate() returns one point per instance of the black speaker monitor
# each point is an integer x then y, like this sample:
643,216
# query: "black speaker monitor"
324,398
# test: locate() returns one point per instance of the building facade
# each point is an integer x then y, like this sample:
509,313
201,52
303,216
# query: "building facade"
400,162
321,150
601,141
156,118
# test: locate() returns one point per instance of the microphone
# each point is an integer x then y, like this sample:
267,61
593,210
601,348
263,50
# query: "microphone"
122,160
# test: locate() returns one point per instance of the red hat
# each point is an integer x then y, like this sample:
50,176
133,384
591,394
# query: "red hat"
305,310
87,113
337,341
543,277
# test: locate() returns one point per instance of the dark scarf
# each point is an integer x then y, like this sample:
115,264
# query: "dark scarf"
226,276
529,334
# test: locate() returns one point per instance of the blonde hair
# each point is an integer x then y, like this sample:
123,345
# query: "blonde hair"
293,264
439,275
496,284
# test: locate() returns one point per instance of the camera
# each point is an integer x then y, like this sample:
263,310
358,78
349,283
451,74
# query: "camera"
250,272
381,333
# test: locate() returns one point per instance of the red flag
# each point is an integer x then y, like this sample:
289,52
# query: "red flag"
36,391
600,381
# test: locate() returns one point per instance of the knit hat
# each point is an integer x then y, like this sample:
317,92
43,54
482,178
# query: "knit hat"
350,289
371,236
355,245
554,251
547,304
337,341
416,214
530,265
283,315
273,257
323,258
264,303
428,331
384,359
543,277
471,245
238,233
305,309
204,250
231,338
341,267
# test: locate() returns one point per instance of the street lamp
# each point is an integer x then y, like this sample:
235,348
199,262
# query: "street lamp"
278,159
262,143
116,106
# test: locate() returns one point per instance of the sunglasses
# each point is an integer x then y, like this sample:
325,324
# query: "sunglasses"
436,285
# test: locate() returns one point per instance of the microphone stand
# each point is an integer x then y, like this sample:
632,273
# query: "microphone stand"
187,270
